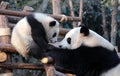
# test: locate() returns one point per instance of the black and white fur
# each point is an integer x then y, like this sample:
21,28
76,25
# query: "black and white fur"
32,34
85,53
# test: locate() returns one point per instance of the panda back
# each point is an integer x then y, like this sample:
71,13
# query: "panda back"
21,35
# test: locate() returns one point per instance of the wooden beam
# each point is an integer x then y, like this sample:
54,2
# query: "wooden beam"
21,66
28,66
7,48
22,14
63,31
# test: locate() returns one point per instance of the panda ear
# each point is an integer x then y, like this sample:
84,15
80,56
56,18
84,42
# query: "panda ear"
81,25
52,23
84,30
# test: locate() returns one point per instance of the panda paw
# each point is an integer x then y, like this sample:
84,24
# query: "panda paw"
50,48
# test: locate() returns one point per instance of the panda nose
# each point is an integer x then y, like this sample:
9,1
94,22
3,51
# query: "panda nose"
60,46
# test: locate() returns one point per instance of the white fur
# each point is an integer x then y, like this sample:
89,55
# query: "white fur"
6,74
113,72
44,19
92,40
21,37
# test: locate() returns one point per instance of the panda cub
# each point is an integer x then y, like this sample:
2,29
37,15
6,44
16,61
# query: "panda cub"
32,34
85,53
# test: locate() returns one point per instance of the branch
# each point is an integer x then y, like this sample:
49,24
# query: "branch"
22,14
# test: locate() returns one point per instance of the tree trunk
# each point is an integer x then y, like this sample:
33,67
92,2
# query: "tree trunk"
114,22
56,7
72,12
80,11
104,24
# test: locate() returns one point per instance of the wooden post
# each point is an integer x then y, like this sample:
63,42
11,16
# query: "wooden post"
51,71
114,21
80,11
49,67
5,38
72,12
56,7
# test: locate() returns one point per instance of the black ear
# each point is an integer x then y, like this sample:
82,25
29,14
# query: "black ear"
84,30
52,23
81,25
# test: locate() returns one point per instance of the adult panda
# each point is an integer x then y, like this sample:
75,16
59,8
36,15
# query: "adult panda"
85,53
32,34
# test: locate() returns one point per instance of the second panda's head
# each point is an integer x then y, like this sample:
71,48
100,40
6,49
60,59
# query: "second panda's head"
85,37
50,25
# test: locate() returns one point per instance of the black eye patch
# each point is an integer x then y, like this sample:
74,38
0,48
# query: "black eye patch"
54,34
52,23
69,40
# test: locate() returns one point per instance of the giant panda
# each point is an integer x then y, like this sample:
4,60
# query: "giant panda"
85,53
31,34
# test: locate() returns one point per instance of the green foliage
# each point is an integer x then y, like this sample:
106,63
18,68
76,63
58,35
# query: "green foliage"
92,17
19,4
106,3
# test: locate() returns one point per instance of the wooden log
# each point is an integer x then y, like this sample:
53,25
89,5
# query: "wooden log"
80,11
72,12
56,7
51,71
28,66
22,14
21,66
7,48
3,56
5,38
28,9
49,67
63,31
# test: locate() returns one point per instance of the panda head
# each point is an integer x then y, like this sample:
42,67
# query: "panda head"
50,25
53,31
85,37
